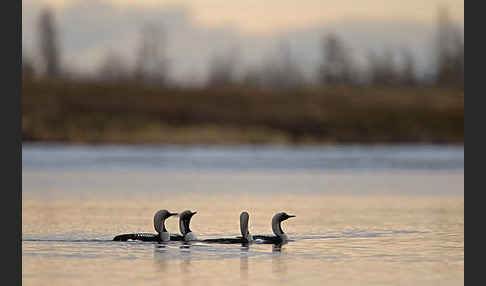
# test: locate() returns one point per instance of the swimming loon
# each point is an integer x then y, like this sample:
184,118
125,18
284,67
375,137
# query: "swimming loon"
159,225
245,237
184,221
280,236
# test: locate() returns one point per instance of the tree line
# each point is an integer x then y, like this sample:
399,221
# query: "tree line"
338,68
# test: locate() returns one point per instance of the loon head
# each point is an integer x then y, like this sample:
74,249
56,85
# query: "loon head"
184,220
244,217
276,220
159,220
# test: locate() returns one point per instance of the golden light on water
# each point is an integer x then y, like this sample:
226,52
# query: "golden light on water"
370,240
351,227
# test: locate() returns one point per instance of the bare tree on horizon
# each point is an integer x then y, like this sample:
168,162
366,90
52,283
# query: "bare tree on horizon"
151,66
283,71
450,51
408,75
336,67
222,68
113,68
48,43
28,70
383,69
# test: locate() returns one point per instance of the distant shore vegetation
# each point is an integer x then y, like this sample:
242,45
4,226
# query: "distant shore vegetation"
73,111
385,103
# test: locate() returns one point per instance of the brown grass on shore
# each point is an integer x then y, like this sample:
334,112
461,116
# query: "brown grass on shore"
128,113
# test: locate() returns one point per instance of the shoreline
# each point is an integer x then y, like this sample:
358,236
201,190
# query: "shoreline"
126,113
241,144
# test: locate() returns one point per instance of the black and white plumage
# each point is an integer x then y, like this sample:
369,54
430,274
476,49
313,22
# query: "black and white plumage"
162,234
280,236
184,222
245,237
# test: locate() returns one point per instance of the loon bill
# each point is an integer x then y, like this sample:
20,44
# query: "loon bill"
159,225
280,236
245,237
184,221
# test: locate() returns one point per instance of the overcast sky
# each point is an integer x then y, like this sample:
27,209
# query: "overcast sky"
199,29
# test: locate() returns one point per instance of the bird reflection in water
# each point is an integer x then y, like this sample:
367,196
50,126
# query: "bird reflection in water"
162,264
185,245
244,261
279,265
185,263
278,247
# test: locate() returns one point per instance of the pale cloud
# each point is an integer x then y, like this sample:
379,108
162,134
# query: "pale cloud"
259,16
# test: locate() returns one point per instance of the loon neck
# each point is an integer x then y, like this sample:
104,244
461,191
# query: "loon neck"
159,220
163,226
184,226
244,217
277,228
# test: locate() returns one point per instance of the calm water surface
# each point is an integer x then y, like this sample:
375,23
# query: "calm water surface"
382,215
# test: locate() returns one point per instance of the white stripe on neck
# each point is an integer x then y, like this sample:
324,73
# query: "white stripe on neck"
165,236
190,236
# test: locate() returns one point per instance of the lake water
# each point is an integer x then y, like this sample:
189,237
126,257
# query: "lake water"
366,215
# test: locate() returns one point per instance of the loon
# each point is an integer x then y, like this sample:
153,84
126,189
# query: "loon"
245,237
280,236
159,225
184,221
